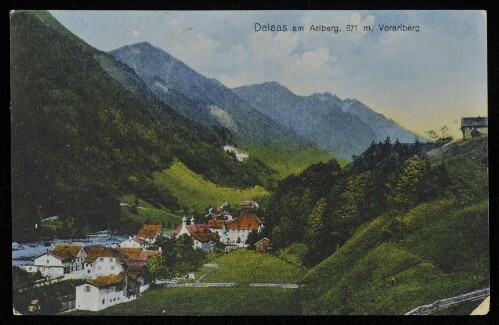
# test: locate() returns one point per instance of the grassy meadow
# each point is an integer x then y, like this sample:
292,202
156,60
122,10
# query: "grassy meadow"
210,301
247,266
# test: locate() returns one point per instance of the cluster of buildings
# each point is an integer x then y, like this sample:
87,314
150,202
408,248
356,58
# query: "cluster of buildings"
113,275
230,231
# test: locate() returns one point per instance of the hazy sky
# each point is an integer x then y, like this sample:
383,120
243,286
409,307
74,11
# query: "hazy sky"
423,80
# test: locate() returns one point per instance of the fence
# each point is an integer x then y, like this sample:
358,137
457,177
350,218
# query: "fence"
200,284
43,282
275,285
446,303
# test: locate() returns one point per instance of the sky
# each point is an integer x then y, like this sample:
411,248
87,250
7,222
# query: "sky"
422,80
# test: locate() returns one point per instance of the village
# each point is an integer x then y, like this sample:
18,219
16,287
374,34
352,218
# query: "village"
115,274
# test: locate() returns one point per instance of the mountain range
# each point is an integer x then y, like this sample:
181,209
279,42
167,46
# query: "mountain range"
204,100
341,127
263,113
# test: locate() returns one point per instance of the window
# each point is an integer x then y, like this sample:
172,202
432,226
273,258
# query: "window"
101,259
110,259
112,267
99,267
103,300
87,288
88,271
118,298
47,261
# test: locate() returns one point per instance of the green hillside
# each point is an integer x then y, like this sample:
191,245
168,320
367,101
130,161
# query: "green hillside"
379,271
197,193
399,261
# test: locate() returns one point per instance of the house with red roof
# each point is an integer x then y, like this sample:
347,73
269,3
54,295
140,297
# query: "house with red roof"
149,233
237,230
245,205
202,236
136,258
61,260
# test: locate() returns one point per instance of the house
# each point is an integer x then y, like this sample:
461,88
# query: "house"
263,245
66,303
245,205
474,126
149,233
218,227
133,242
34,306
106,291
101,261
62,259
239,229
203,238
136,258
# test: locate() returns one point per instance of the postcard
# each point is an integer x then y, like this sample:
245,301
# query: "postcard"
224,163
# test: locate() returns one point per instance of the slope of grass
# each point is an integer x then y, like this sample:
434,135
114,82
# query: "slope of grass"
196,193
396,263
247,266
287,162
467,164
208,301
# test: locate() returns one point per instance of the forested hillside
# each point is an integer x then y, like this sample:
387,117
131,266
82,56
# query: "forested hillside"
324,205
80,139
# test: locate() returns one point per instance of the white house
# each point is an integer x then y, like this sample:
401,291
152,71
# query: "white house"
101,261
62,259
202,237
133,242
236,231
106,291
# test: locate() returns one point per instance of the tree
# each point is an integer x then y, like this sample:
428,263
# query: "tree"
408,190
432,134
252,239
316,231
155,268
444,130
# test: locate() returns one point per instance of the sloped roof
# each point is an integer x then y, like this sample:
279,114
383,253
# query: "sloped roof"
149,231
95,251
138,240
107,280
66,251
216,224
245,221
145,254
132,253
474,122
199,232
263,239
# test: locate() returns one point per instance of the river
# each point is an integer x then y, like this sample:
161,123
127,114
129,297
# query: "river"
24,254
